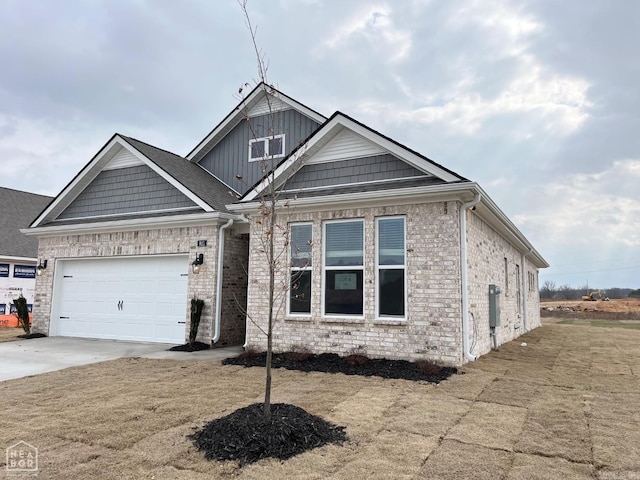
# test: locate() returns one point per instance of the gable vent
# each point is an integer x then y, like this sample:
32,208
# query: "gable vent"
262,107
123,159
345,145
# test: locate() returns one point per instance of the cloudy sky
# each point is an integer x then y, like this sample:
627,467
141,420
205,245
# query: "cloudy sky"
538,101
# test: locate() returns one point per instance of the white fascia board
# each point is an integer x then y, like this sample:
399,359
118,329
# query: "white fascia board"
239,112
94,167
352,199
398,151
80,178
18,259
462,192
501,221
185,191
341,121
174,221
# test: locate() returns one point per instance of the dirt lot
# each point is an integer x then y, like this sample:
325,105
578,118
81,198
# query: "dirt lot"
565,406
620,309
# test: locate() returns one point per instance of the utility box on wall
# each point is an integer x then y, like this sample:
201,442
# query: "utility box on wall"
494,306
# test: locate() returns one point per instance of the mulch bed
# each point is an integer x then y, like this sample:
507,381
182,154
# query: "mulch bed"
190,347
246,436
350,365
31,335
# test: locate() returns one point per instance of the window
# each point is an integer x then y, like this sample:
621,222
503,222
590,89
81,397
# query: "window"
506,276
267,147
300,280
391,267
518,287
343,267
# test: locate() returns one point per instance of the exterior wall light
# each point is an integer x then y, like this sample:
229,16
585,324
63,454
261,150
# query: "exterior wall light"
41,267
195,265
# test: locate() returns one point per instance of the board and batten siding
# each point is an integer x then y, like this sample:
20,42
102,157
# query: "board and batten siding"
126,190
230,158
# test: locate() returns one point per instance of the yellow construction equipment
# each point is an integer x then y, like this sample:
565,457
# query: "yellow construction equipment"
594,296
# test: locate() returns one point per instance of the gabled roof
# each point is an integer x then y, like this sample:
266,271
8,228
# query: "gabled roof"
337,123
208,193
190,175
257,95
18,211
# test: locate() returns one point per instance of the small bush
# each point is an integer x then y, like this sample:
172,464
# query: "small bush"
356,360
427,368
299,353
196,312
22,312
249,353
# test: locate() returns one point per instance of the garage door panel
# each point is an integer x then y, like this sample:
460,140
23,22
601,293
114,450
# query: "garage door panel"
151,292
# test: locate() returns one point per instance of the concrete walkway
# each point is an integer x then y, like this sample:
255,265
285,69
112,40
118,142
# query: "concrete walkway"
24,358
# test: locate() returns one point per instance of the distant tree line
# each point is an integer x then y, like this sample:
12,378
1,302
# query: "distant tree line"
549,291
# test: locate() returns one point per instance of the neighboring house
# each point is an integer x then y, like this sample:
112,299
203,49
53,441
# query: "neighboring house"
18,252
391,254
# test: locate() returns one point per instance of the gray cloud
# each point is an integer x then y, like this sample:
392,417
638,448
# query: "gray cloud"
537,101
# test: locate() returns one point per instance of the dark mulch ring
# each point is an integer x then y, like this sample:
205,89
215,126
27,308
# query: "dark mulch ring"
246,436
351,365
32,335
190,347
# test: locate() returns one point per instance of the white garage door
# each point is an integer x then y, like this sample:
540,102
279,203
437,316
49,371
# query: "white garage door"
136,298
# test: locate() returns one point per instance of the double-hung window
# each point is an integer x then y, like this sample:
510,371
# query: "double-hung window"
300,279
266,147
391,267
343,267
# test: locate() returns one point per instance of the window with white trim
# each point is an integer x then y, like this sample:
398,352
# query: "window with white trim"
343,267
301,263
518,291
391,267
266,147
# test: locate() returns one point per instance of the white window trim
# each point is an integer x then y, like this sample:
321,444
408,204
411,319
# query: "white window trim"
394,267
265,140
299,269
354,267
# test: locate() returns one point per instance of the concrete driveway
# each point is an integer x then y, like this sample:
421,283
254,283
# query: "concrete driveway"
40,355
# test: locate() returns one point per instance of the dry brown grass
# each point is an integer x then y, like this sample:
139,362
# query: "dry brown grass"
10,334
565,406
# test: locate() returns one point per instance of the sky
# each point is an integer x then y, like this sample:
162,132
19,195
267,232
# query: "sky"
538,101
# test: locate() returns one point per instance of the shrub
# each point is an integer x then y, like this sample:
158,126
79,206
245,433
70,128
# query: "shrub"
356,359
249,352
298,353
197,306
22,312
427,368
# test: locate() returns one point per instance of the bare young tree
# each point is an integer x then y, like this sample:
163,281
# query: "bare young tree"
273,237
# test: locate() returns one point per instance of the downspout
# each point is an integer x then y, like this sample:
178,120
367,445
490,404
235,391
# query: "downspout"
464,273
218,317
524,294
246,327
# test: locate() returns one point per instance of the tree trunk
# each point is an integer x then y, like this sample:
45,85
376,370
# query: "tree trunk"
272,273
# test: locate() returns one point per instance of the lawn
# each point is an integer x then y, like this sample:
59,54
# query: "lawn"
565,406
9,334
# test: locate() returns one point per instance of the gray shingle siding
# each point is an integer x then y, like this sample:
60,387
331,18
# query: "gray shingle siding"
356,170
230,157
18,209
126,190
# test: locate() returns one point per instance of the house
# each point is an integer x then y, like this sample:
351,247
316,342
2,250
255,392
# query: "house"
18,253
388,252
